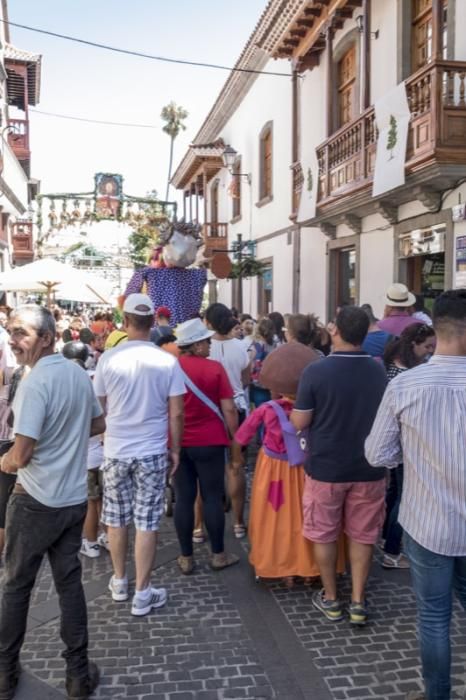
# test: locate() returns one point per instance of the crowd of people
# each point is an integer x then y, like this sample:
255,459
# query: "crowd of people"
358,427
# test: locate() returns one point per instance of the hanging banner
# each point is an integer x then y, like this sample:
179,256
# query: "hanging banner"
392,117
310,174
108,195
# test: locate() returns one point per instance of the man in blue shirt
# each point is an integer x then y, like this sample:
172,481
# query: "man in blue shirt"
338,399
55,411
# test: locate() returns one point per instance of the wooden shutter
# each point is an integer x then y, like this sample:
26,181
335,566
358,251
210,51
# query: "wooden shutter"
267,165
346,86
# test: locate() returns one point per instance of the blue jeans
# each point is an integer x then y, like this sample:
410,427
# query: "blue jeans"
435,577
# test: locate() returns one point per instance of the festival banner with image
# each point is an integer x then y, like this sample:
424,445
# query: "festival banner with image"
392,117
108,195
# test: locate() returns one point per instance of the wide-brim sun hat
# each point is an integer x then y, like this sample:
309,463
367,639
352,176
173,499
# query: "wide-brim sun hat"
399,295
192,331
283,367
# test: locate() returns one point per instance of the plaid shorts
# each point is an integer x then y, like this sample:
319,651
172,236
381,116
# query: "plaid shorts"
134,489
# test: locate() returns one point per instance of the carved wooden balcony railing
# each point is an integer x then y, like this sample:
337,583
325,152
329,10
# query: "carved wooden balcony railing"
437,133
18,138
21,236
215,237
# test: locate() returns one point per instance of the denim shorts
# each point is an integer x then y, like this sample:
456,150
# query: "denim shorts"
134,489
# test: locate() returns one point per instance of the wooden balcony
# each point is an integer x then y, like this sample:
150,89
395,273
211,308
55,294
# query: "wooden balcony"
437,136
18,138
215,237
21,236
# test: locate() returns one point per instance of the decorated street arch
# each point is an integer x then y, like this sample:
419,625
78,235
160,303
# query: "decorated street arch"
107,201
169,276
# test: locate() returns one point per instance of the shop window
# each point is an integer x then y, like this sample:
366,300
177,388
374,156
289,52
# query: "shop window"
345,264
346,72
422,257
421,33
266,152
265,290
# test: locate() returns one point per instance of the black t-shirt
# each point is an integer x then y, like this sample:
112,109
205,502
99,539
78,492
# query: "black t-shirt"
343,391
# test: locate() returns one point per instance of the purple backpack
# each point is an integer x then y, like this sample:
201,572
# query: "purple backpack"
295,445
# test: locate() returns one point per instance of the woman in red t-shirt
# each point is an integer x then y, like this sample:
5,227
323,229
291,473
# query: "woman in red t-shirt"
210,420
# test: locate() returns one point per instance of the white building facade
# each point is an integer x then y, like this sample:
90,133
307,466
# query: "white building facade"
306,144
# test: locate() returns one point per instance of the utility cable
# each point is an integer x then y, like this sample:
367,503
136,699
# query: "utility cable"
93,121
139,54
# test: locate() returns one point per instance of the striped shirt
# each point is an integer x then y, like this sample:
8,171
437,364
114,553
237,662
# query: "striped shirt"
422,423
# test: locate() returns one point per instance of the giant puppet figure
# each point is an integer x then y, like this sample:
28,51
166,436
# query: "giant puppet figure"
168,279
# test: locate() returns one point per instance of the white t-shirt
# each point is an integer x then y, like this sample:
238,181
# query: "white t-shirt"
137,378
234,358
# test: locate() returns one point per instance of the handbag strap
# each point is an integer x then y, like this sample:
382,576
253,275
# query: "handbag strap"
202,397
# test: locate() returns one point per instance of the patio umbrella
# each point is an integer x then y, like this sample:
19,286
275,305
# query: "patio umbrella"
49,276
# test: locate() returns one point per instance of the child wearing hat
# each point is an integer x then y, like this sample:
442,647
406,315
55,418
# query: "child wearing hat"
278,547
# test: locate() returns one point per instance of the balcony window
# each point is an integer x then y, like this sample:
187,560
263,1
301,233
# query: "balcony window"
214,207
236,190
265,153
346,86
421,33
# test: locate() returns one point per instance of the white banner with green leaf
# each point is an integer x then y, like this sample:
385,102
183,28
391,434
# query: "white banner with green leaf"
392,117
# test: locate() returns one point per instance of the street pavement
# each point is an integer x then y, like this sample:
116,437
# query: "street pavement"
223,635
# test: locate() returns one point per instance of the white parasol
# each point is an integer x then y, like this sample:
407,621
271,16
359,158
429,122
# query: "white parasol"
50,276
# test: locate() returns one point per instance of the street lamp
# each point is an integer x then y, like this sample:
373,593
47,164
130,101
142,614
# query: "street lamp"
229,157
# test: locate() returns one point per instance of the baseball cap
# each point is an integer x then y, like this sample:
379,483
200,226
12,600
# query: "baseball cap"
163,311
138,304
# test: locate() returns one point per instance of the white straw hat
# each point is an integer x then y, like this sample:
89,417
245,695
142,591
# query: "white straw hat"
399,295
191,332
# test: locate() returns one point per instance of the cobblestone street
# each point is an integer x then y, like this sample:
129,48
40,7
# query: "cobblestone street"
224,635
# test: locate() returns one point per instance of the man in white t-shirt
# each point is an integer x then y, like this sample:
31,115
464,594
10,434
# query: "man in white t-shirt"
141,388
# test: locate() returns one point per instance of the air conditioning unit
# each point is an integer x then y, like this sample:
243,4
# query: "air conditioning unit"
459,212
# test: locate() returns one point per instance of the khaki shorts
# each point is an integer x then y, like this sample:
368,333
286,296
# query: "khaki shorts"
95,484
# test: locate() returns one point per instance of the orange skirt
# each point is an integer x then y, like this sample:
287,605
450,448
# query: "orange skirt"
278,547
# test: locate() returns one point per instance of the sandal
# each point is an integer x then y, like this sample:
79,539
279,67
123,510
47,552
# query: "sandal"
186,564
198,536
222,560
239,531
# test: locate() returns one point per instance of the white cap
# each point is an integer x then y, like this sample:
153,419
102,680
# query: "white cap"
191,332
138,304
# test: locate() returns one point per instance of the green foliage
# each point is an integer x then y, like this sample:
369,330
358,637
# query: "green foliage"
173,115
144,238
248,267
392,135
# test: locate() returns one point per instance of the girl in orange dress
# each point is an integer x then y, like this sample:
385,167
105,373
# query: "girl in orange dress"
278,546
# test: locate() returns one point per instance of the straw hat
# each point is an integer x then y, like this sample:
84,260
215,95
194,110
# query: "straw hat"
282,369
399,295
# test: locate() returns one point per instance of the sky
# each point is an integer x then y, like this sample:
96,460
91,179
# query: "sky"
92,83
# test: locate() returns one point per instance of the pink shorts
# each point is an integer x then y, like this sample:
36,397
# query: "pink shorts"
356,507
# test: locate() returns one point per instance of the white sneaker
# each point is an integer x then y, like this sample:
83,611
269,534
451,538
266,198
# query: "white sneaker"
142,606
119,591
103,541
90,549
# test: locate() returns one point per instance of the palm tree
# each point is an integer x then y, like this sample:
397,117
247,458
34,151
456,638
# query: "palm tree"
173,116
